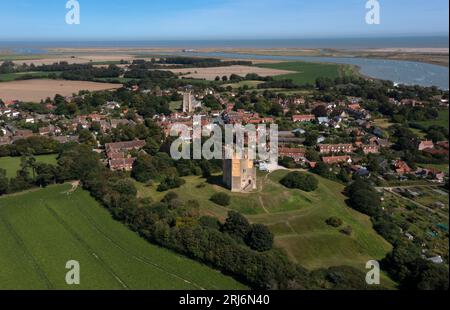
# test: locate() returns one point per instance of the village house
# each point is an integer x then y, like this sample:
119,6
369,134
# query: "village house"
105,126
410,102
332,160
303,118
6,112
29,119
116,122
124,164
49,130
117,154
370,149
297,154
80,121
94,117
323,120
426,145
111,105
127,146
234,117
354,107
431,173
20,133
440,148
401,167
335,148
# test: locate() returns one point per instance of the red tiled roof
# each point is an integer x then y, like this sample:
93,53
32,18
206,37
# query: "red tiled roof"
336,159
303,118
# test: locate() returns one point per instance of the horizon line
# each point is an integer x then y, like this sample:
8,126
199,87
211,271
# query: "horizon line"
122,39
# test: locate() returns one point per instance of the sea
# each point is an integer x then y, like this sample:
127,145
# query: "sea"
340,43
398,71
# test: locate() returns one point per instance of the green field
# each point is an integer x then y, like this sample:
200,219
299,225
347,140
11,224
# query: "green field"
307,72
441,167
6,57
249,84
7,77
442,120
12,164
296,218
42,230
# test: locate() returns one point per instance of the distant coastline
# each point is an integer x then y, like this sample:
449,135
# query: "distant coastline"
407,60
339,43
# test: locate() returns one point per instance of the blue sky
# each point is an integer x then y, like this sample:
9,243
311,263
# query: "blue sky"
218,19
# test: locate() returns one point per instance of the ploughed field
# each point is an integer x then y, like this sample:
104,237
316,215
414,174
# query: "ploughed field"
43,229
39,89
212,72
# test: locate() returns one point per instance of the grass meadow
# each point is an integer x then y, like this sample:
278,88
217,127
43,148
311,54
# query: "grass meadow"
41,230
7,77
295,217
12,164
442,120
307,72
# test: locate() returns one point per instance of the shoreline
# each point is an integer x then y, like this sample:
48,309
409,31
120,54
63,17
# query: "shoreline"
358,59
431,55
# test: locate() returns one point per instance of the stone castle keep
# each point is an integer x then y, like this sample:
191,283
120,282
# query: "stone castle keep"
239,175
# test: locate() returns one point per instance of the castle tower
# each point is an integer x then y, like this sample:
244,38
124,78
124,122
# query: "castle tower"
187,102
239,175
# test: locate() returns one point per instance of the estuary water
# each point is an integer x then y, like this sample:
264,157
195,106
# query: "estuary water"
397,71
403,72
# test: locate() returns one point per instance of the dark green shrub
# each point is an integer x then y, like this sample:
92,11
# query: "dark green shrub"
221,199
259,238
170,183
305,182
334,221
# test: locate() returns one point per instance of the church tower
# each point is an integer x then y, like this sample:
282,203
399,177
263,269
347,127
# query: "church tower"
187,102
